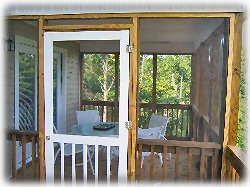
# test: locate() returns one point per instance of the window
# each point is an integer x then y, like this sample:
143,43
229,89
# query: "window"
25,84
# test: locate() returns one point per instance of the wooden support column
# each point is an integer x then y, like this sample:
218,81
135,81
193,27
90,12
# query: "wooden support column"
154,82
81,61
116,103
41,124
233,88
133,97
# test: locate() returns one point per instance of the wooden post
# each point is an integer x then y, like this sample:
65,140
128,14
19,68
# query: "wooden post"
116,103
133,97
233,88
41,125
154,82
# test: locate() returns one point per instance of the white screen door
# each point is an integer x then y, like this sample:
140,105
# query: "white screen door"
85,142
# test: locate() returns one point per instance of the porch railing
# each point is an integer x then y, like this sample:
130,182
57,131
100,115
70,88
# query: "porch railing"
182,160
179,126
24,137
237,160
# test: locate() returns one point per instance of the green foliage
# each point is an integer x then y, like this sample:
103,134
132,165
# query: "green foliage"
242,126
98,76
170,70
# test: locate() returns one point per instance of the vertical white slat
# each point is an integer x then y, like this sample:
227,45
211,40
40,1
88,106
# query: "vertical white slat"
96,163
108,164
123,109
62,161
85,166
73,163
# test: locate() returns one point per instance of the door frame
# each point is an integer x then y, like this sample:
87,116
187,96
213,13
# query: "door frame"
122,140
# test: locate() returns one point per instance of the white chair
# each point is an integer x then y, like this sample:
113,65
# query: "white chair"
83,118
87,117
156,130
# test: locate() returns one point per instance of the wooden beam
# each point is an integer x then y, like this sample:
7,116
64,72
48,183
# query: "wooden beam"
223,83
125,15
133,96
237,159
88,27
41,115
176,143
233,88
154,81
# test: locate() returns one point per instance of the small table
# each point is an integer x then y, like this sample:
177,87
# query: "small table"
87,129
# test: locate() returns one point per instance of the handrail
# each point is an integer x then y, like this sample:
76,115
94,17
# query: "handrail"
183,155
23,137
179,126
237,158
179,143
20,133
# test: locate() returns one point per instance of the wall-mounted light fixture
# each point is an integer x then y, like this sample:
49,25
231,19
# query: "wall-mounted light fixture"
10,45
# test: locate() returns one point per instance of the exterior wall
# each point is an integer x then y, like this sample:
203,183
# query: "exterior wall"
72,98
206,77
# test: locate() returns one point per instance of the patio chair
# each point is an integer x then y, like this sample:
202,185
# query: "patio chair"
83,118
156,130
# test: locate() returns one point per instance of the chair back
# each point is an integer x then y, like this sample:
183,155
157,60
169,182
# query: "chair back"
158,121
88,116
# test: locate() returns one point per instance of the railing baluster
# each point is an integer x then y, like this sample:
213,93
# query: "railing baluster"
177,121
62,162
140,162
202,162
215,164
96,163
14,171
188,124
172,111
85,166
152,163
108,164
176,163
33,140
23,156
190,162
164,167
182,121
73,163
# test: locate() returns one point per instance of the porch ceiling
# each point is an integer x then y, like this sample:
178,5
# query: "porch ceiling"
157,35
182,35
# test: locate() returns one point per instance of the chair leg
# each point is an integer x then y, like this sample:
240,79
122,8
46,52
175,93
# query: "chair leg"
160,156
57,152
142,160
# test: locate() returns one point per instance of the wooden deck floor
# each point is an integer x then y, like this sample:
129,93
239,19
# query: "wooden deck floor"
145,176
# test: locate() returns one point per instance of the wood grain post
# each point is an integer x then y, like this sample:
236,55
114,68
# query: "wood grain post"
14,171
133,97
154,83
233,88
41,124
